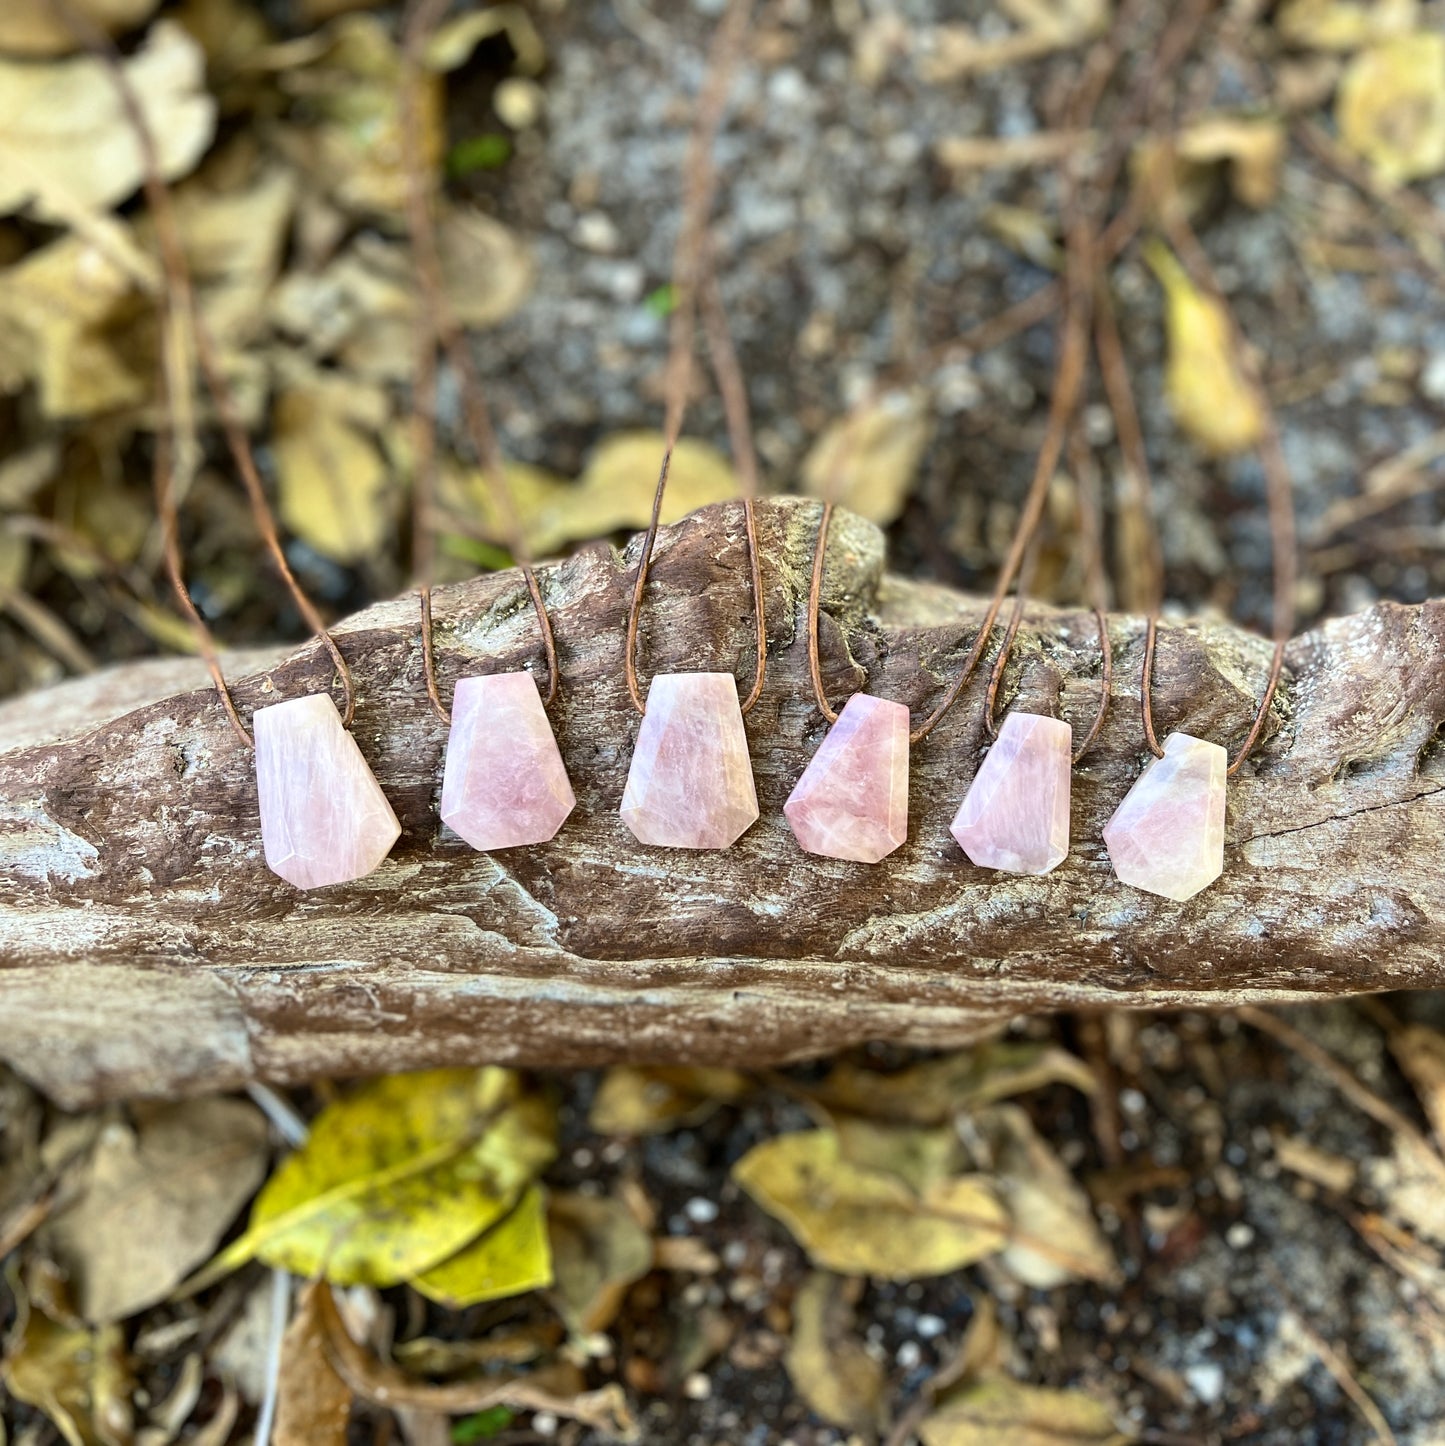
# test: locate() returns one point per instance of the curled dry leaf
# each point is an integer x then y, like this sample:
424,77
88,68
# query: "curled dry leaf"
1003,1412
635,1101
937,1089
867,460
1180,169
1058,1238
65,144
397,1177
1343,24
354,151
828,1365
1391,107
557,1389
1420,1053
1208,392
859,1220
335,490
598,1251
313,1403
152,1200
36,28
79,1378
67,327
512,1257
487,270
452,44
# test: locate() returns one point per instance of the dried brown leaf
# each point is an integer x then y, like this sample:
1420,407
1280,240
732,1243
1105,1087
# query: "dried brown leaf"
1003,1412
867,461
632,1100
65,142
1420,1053
36,28
598,1251
313,1403
1343,24
827,1362
152,1201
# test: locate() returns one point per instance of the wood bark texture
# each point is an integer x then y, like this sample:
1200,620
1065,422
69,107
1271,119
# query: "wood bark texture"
146,949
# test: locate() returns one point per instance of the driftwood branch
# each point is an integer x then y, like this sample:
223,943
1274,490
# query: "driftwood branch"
145,948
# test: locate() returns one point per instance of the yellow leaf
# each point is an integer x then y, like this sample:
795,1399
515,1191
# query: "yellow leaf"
1003,1412
398,1177
333,480
1343,24
486,268
65,143
861,1221
1208,393
1420,1053
453,43
828,1365
1254,147
613,494
1391,107
512,1257
37,27
636,1101
598,1251
867,460
935,1090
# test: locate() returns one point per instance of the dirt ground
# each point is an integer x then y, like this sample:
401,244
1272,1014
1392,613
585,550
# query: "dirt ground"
1270,1224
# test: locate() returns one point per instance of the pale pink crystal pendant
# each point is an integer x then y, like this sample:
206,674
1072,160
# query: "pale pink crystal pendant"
505,784
1167,837
324,818
1015,815
690,785
852,800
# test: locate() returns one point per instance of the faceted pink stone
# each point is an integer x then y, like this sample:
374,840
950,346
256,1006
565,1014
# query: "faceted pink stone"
1015,815
691,781
852,800
1167,836
505,784
324,818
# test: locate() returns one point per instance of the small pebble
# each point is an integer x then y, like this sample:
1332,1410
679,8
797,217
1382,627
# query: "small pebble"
1432,378
1206,1380
930,1326
544,1423
1239,1235
700,1211
910,1354
595,232
697,1387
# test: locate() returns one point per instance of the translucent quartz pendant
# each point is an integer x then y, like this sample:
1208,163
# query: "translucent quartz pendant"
324,818
505,784
691,781
1167,836
852,800
1015,815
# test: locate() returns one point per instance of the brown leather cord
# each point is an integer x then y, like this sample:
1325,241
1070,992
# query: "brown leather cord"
688,263
181,297
730,383
1091,538
1016,615
437,324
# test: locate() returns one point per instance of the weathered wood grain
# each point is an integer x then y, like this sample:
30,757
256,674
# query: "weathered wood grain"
145,948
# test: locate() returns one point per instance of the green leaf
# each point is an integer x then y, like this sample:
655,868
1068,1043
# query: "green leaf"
478,153
663,301
513,1257
483,1425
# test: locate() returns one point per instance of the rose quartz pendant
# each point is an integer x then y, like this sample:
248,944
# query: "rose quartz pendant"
1167,837
324,818
1015,815
505,784
691,781
852,800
